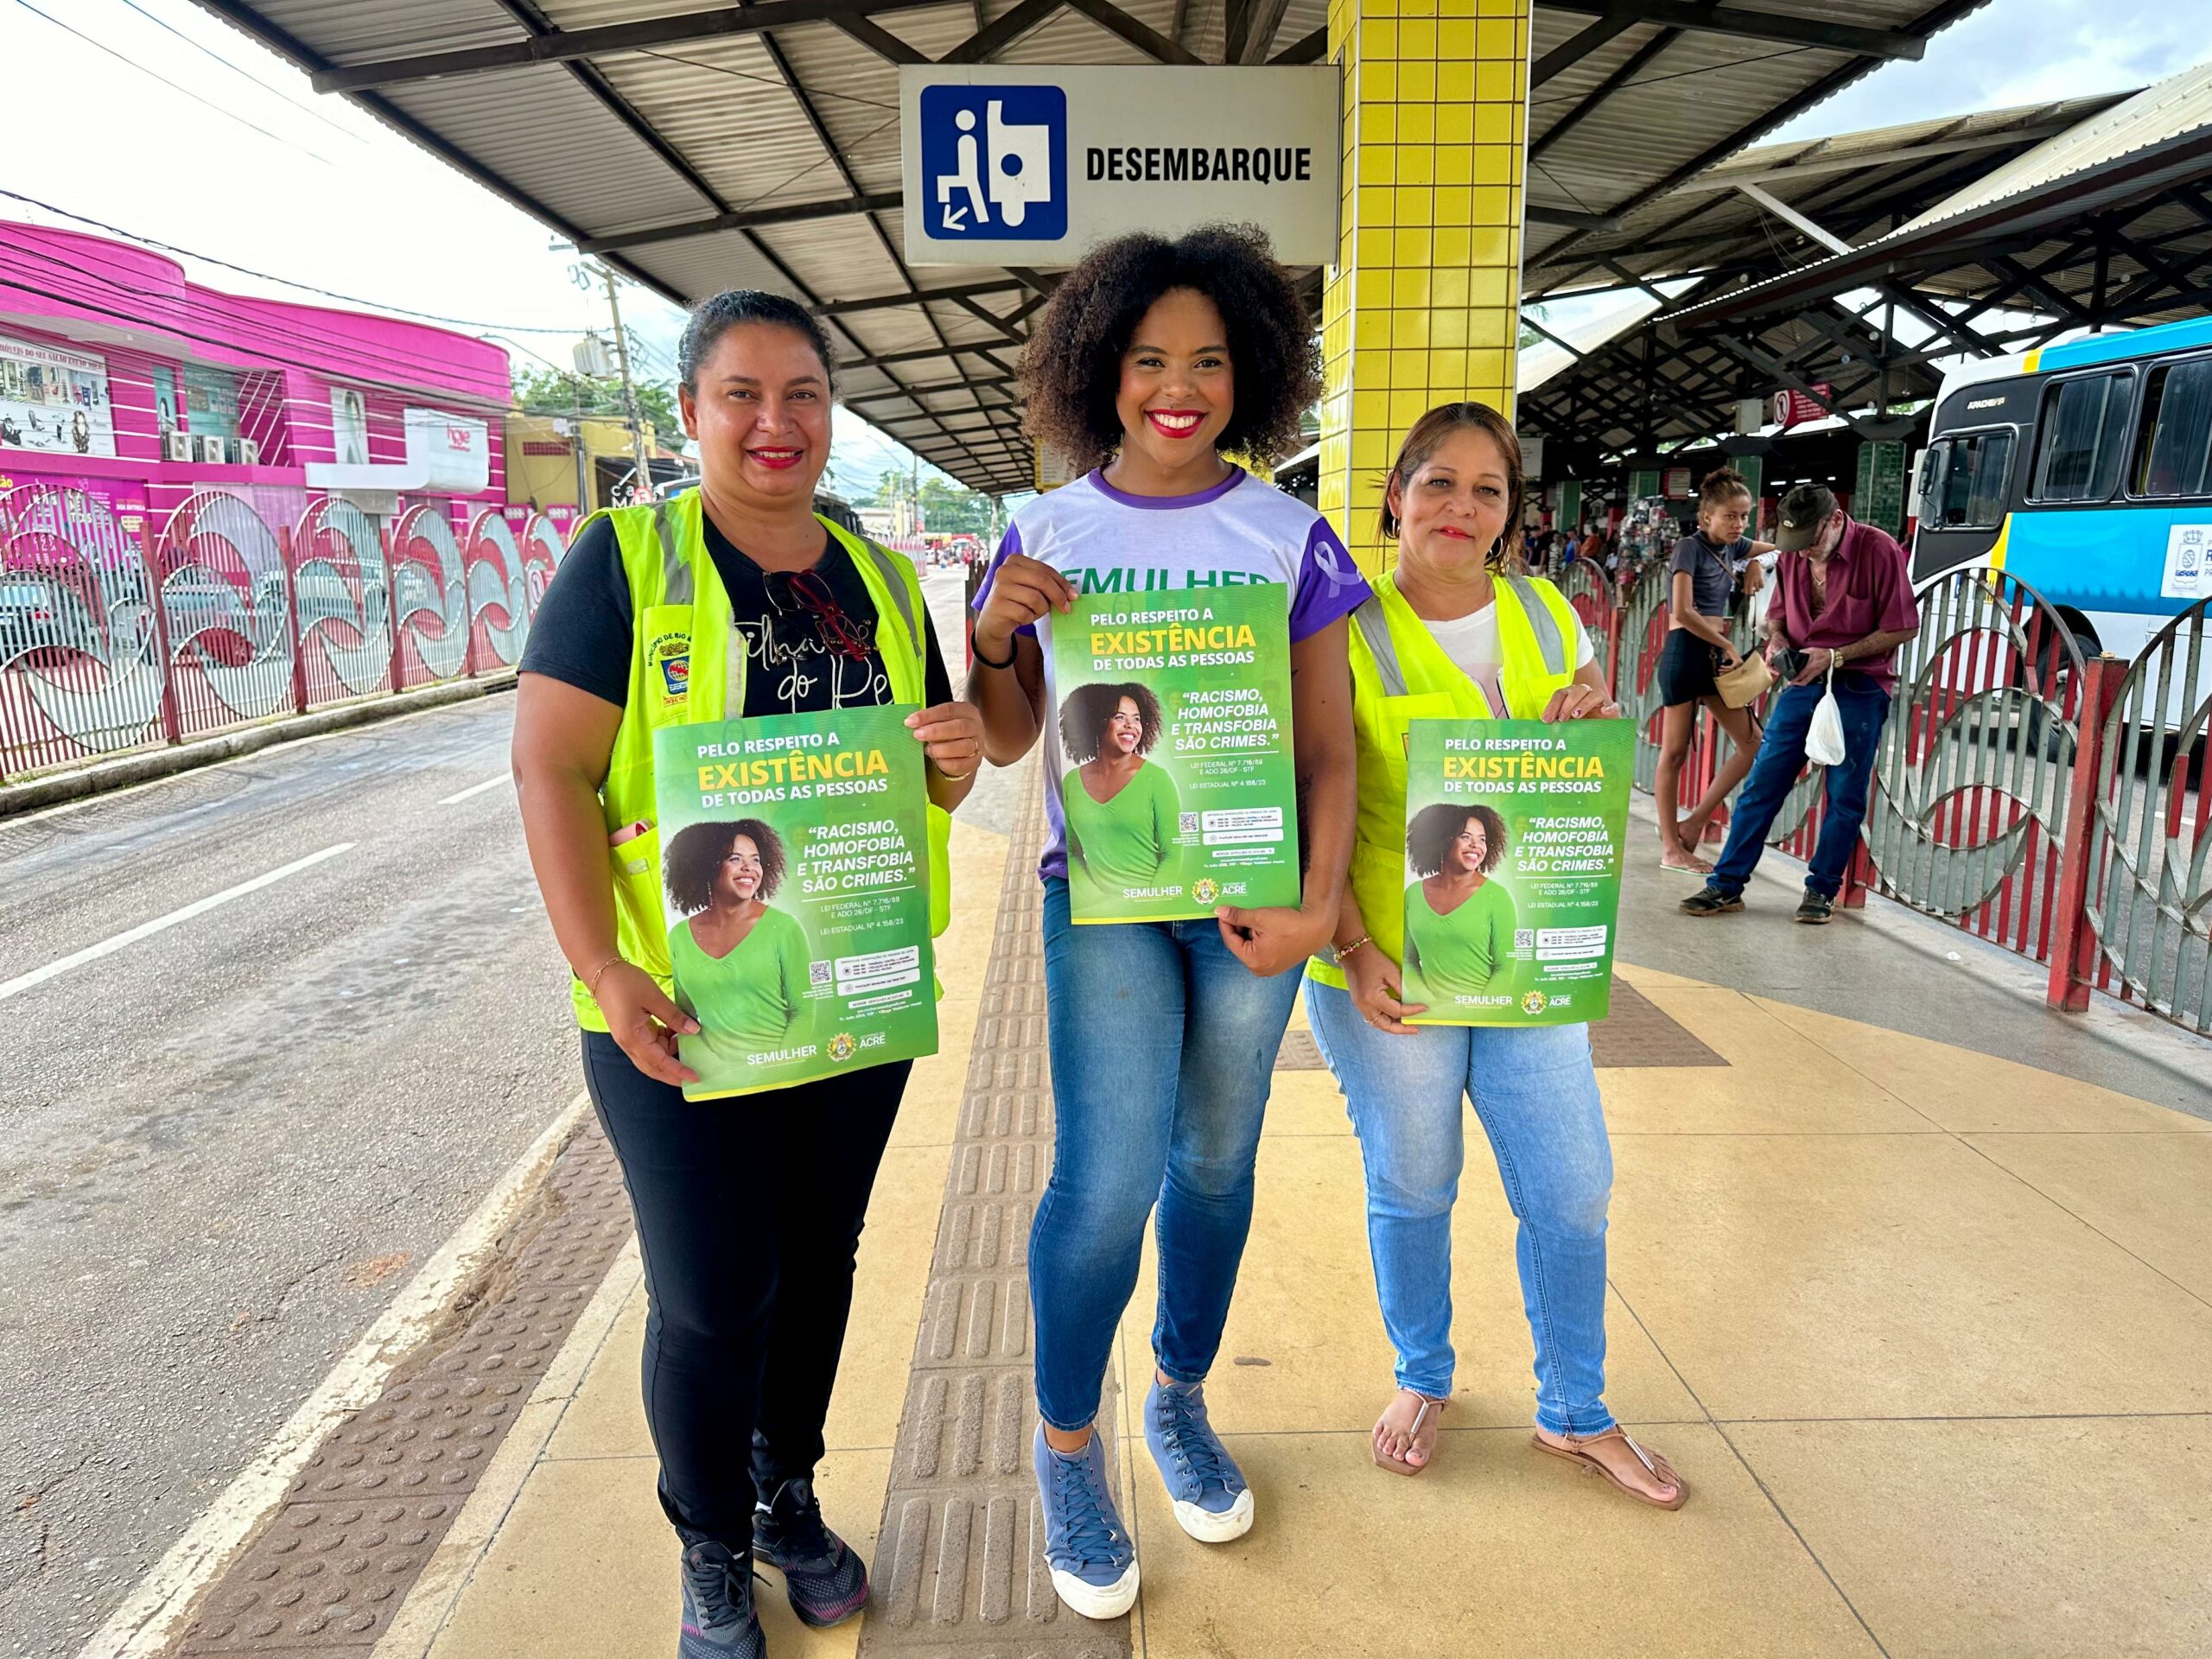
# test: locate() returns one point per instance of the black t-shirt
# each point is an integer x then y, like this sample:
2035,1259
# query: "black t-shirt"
582,635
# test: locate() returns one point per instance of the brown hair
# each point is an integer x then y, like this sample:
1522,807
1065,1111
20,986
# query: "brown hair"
1428,435
1721,485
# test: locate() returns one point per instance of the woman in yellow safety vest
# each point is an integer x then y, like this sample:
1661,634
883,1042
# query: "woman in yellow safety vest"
1456,631
731,599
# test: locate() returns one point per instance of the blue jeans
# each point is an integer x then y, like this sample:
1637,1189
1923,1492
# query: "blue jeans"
1537,1097
1163,1049
1773,774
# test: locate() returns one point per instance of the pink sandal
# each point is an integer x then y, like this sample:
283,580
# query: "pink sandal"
1657,1466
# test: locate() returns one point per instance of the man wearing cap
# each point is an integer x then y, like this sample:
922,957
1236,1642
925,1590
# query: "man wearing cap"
1843,600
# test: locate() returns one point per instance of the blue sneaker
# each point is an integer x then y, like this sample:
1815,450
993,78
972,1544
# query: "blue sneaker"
1212,1502
1091,1555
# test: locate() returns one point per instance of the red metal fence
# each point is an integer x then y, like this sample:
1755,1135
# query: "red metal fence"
2052,805
110,640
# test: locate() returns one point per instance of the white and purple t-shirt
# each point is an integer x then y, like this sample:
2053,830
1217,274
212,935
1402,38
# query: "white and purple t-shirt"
1105,542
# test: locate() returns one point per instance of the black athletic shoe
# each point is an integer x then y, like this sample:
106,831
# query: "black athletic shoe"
824,1575
719,1622
1709,900
1814,909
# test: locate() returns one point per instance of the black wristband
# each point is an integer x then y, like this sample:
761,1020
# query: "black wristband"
1012,650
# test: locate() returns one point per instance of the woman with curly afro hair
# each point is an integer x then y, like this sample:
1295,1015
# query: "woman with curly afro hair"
741,964
1156,361
1122,812
1458,922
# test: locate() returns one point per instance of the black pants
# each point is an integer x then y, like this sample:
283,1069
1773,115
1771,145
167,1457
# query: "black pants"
749,1211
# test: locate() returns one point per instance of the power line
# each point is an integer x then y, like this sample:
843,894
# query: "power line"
267,87
228,115
282,281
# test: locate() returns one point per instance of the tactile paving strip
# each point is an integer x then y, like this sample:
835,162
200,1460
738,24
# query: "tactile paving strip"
324,1576
959,1563
1638,1031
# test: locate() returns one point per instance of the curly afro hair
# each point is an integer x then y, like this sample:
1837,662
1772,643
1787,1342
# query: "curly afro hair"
1087,708
1430,836
1072,367
693,858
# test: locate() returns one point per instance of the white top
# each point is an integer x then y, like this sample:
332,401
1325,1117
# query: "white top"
1472,641
1104,541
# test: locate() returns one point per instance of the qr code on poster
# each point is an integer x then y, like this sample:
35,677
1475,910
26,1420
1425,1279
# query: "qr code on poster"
819,973
1524,938
1189,823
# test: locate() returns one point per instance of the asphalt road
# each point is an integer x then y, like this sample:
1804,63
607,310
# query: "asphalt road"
225,1145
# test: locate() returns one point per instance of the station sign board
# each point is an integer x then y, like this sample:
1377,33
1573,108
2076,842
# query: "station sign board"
1793,408
1035,164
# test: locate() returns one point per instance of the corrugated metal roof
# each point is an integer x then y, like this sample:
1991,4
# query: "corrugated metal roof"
682,131
2181,104
2133,150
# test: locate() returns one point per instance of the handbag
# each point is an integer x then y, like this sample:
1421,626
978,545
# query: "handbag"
1746,683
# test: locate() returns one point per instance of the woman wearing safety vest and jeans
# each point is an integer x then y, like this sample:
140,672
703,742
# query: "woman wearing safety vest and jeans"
732,599
1454,632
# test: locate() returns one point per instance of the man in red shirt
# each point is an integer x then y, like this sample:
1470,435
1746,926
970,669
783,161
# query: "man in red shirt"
1842,605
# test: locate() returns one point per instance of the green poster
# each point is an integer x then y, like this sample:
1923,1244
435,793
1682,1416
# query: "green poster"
1753,467
1178,780
1514,833
1878,498
794,872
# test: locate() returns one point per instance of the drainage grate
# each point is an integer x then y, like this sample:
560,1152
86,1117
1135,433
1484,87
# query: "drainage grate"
359,1523
959,1564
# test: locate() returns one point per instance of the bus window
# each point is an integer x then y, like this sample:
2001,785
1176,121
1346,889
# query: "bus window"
1962,481
2174,456
2083,425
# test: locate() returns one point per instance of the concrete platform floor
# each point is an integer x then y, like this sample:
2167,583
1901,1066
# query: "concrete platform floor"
1927,1329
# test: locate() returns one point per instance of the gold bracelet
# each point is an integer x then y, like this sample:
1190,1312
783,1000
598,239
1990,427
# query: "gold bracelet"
1360,944
591,985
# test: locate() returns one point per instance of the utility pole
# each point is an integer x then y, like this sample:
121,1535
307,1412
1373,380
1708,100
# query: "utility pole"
645,478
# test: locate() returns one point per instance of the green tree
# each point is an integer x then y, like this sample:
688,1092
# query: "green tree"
949,510
550,391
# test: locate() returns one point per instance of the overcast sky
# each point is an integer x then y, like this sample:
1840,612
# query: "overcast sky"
246,164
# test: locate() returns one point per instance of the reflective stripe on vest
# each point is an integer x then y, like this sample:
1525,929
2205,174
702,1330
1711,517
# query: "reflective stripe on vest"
1400,674
674,586
1375,629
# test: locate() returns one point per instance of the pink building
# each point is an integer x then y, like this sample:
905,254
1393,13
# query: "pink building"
121,379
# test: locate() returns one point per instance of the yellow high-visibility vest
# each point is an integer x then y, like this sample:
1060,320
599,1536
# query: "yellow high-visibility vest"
688,665
1399,675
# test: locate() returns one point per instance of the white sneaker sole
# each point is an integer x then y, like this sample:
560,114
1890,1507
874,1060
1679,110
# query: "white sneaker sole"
1097,1600
1207,1528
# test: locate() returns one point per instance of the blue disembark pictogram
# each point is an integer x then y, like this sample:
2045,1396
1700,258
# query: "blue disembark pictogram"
995,162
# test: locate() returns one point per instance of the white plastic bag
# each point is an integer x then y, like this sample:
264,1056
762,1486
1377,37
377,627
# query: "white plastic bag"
1824,737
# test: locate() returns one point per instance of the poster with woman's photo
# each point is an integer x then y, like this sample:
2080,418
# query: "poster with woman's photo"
794,855
1513,833
1177,782
54,400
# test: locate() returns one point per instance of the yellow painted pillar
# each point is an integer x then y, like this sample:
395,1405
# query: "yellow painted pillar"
1423,305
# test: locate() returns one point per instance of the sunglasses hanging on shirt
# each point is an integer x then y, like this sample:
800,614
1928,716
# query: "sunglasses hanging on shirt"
804,593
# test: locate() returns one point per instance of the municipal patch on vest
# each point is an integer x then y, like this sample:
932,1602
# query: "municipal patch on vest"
668,660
